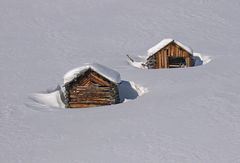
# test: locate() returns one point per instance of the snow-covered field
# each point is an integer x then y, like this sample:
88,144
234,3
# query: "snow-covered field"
188,115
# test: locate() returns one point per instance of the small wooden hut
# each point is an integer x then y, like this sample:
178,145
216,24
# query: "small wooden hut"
169,53
90,86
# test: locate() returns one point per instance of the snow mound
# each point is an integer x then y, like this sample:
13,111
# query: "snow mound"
129,90
52,99
165,42
201,59
137,64
108,73
140,89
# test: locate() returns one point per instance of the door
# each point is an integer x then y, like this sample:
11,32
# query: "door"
176,62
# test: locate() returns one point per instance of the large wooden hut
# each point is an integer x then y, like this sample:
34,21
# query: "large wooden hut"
169,53
91,85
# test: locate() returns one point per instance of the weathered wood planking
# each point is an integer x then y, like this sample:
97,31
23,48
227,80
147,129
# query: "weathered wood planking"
91,89
161,58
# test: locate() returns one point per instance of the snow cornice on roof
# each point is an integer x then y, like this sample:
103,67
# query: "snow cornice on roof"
106,72
164,43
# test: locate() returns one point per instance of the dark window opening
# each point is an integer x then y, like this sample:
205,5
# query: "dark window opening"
176,62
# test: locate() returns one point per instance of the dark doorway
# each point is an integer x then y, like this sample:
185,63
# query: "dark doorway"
176,62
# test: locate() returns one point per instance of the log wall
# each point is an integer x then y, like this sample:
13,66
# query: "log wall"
161,58
90,90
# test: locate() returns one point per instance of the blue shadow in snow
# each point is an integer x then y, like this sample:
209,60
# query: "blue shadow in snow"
197,61
126,91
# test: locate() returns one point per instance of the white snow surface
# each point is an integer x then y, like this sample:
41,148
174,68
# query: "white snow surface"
189,115
137,64
164,43
51,99
108,73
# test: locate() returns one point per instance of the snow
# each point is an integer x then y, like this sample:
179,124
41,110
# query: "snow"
165,42
52,99
137,64
203,59
108,73
189,115
140,89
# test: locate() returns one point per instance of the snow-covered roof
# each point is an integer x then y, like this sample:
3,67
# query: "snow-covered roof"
108,73
164,43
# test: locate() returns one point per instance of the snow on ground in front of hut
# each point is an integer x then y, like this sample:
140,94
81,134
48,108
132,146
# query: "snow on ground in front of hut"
188,115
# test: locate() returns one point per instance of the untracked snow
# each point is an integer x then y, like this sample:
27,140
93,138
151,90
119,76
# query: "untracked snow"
189,115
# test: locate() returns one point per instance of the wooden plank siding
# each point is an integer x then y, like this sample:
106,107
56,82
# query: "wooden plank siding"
161,58
91,89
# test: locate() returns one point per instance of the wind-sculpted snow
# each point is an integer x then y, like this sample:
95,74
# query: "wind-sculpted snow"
200,59
189,115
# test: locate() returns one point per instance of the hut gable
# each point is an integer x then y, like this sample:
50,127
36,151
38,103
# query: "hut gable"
169,53
91,85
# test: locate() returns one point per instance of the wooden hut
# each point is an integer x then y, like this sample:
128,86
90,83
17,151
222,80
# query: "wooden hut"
169,53
90,86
